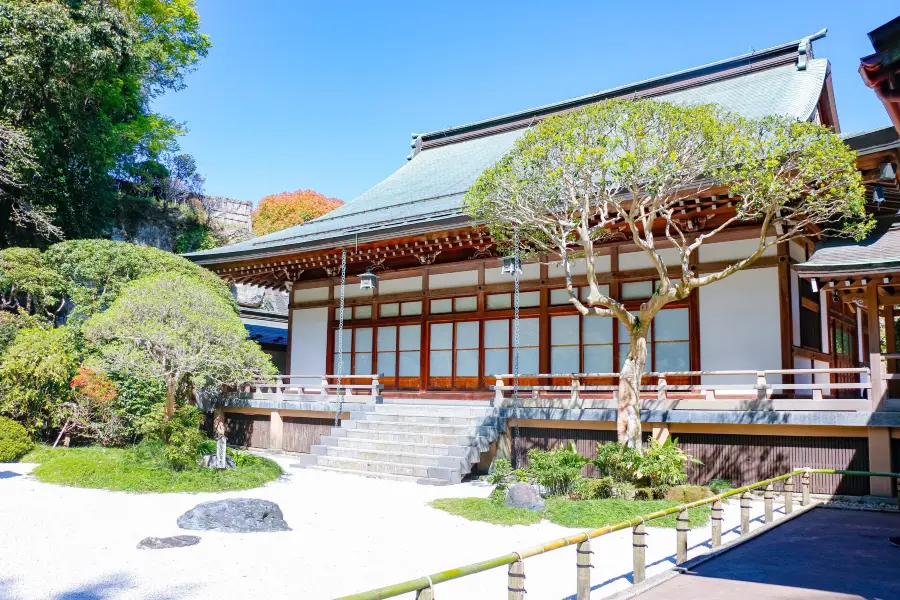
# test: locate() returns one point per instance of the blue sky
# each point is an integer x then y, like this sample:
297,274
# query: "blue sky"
324,95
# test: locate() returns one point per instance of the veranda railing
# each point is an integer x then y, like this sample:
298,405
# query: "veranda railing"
762,386
322,385
423,587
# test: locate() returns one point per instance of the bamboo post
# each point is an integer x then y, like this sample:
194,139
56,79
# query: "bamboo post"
745,513
515,583
639,532
788,496
804,483
769,497
682,526
717,518
583,561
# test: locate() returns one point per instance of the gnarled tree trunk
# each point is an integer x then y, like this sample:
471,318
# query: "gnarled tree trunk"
628,424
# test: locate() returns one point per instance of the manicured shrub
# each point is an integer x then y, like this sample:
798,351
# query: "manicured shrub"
34,377
500,472
717,486
665,464
137,395
14,440
617,461
688,493
556,471
593,489
181,434
624,490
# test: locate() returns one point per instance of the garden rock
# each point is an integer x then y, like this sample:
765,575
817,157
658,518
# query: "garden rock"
212,461
176,541
234,515
523,495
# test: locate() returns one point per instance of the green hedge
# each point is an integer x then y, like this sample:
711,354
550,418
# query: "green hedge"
14,440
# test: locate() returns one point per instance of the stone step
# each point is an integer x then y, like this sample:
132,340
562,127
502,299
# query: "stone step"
472,451
401,427
438,411
424,419
419,480
417,438
351,464
402,458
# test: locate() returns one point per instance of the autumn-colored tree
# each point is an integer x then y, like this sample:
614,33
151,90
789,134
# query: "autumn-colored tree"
280,211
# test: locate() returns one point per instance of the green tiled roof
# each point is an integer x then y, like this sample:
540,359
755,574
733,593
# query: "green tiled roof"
426,193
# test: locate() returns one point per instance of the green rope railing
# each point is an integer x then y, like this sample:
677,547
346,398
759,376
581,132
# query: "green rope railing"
426,582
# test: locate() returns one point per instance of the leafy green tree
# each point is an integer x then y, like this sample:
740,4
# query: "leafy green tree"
180,331
28,286
34,376
76,83
98,270
625,168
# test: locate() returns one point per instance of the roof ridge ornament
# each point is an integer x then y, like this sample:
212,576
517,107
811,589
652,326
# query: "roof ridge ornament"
805,51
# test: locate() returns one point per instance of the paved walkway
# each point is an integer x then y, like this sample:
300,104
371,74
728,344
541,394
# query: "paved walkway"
349,534
824,554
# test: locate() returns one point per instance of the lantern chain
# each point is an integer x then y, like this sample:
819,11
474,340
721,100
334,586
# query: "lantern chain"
340,365
516,269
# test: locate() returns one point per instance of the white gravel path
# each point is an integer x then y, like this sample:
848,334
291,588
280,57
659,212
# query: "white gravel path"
349,534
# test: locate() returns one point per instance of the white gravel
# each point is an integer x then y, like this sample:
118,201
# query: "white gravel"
349,534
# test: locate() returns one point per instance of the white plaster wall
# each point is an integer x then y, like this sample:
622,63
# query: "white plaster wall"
309,343
802,363
439,281
601,265
399,286
739,325
797,251
311,294
639,260
822,377
733,250
530,272
352,290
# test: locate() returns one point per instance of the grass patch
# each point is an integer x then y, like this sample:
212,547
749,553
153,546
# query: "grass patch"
142,469
599,513
482,509
581,514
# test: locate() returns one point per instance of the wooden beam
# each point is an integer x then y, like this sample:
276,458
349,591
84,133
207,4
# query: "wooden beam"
874,350
785,316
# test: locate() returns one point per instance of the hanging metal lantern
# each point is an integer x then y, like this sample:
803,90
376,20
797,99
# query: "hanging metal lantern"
367,281
511,264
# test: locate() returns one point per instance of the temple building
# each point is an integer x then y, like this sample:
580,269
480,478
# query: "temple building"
779,365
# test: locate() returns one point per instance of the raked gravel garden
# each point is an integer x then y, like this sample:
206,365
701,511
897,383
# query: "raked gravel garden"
348,534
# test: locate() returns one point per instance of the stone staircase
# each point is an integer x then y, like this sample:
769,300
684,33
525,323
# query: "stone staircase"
435,445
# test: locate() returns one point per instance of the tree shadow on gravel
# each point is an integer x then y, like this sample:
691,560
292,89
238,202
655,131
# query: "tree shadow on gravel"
113,586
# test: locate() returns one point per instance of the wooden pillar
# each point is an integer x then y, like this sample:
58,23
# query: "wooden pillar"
682,526
426,594
880,460
276,431
515,583
789,496
874,350
891,346
718,515
784,310
639,544
745,513
583,564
